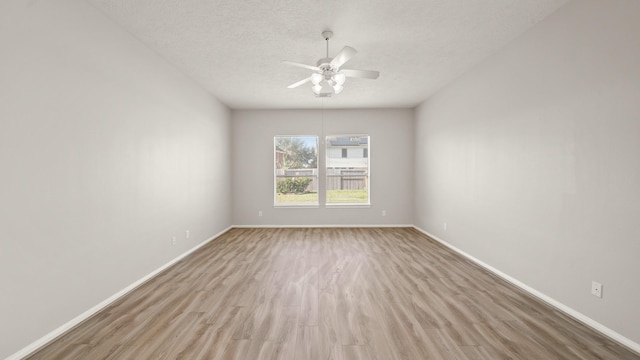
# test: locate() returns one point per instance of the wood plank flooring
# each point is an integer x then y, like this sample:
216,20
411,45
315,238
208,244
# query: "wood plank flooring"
344,293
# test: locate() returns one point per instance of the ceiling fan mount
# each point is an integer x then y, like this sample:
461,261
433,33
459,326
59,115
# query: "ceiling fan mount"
328,77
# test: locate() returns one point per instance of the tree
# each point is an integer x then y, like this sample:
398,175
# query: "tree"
296,154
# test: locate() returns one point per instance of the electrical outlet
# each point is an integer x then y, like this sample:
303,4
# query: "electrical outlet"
384,212
173,240
596,289
186,234
260,213
444,225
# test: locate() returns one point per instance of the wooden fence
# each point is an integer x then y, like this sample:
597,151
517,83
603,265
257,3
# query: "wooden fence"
347,179
337,179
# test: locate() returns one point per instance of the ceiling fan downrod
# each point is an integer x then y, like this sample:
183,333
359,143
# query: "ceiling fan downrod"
327,34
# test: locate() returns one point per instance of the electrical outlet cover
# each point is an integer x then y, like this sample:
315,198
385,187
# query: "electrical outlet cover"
596,289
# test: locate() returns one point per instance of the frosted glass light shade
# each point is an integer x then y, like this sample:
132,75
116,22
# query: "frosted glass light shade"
316,78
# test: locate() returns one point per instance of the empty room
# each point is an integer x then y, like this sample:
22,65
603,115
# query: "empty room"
413,179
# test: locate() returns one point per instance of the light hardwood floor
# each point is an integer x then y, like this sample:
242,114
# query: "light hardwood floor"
347,293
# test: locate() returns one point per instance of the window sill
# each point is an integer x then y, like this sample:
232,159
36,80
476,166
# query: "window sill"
347,206
296,206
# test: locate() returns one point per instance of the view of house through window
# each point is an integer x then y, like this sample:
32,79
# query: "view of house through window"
347,169
296,170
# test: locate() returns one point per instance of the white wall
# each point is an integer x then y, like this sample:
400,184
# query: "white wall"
532,161
391,157
106,152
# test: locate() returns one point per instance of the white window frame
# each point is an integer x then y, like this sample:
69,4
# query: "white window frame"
325,168
275,175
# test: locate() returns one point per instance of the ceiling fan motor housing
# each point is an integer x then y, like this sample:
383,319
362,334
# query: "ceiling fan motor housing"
325,66
324,63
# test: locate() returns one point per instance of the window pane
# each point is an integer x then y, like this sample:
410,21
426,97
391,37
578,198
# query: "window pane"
347,161
296,170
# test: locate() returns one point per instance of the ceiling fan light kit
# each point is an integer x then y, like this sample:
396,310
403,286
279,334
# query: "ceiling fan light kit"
328,73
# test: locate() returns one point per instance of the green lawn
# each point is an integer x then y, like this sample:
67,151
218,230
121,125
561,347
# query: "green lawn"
347,196
310,197
333,197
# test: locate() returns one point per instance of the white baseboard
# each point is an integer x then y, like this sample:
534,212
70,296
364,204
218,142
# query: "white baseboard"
325,226
549,300
36,345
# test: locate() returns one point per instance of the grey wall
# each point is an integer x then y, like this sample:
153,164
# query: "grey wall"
106,152
532,161
391,164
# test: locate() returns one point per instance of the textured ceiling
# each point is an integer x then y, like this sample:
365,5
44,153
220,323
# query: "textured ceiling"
235,48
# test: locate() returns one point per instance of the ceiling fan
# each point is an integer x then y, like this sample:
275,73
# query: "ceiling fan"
327,74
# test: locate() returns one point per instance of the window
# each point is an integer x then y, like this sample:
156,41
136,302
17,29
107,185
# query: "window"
347,170
296,170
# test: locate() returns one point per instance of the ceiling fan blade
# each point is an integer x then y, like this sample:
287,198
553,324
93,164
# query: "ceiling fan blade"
343,56
304,66
301,82
364,74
